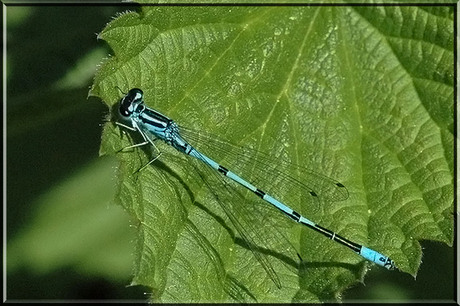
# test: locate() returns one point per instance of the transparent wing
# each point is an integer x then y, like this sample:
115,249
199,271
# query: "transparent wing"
251,224
275,176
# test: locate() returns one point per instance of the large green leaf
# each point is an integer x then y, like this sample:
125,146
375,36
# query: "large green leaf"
360,94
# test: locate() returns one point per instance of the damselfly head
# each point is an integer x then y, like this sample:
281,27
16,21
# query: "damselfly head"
130,101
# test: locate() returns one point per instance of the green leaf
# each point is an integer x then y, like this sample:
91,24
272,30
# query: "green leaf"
360,94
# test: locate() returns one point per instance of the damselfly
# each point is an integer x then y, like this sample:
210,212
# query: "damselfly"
152,125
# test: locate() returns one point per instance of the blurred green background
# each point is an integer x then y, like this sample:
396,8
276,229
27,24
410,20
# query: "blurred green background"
65,237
